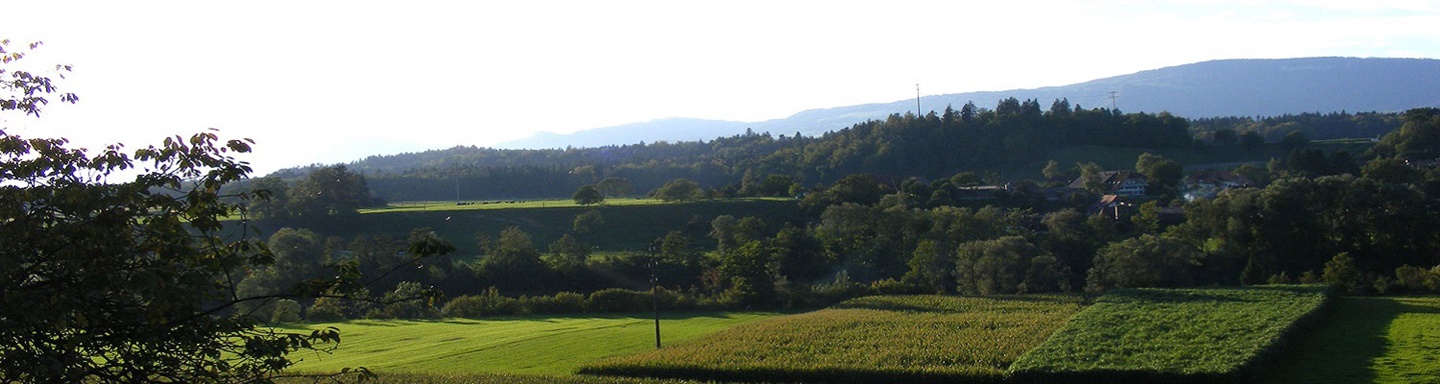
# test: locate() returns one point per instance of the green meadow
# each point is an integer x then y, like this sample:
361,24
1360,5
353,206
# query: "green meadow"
1175,335
1369,340
513,345
1268,334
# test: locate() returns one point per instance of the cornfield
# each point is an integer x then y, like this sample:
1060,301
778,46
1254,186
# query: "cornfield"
870,339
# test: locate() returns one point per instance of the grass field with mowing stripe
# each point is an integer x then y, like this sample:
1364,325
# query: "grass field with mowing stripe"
495,378
518,345
1369,340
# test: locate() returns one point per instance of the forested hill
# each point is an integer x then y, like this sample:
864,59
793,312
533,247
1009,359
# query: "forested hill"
937,145
1219,88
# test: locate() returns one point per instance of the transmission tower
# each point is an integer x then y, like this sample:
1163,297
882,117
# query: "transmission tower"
917,101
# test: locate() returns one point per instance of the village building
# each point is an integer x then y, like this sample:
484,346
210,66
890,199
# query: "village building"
1119,183
1208,184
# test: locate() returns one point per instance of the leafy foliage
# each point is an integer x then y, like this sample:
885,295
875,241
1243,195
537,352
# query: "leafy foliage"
1004,266
129,281
27,91
143,280
679,190
1145,261
588,195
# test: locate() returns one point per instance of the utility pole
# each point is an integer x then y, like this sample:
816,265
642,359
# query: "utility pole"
455,175
1112,101
654,290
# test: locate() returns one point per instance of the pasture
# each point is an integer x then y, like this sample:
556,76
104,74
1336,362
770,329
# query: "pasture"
871,339
1175,335
493,378
627,227
1368,340
515,345
1285,334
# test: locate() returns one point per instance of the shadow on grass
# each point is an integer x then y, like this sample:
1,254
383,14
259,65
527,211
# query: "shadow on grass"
1343,349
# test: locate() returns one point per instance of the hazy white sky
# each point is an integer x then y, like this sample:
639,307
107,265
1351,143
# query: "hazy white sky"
334,81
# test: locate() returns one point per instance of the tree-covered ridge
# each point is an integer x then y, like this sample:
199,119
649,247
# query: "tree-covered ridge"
930,146
935,145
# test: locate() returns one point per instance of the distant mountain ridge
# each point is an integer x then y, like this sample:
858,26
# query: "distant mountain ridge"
1240,87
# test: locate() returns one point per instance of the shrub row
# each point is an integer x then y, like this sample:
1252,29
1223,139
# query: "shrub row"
614,300
1342,273
492,303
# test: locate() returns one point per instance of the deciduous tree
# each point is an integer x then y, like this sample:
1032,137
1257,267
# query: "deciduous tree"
115,281
679,190
1145,261
588,195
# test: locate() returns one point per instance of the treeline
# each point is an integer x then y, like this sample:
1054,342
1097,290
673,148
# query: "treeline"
933,145
1315,126
1367,228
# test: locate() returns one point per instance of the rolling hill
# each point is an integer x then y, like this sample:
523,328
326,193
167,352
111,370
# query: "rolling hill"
1268,87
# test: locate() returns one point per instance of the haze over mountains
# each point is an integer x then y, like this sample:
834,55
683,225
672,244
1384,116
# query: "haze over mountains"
1267,87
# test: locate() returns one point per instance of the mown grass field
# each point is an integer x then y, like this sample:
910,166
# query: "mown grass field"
1368,340
491,378
517,345
871,340
1175,335
628,227
1128,336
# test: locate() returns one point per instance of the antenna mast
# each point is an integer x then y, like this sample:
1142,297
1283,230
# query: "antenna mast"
918,114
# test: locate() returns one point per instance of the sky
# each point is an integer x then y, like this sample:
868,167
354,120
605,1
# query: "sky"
335,81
